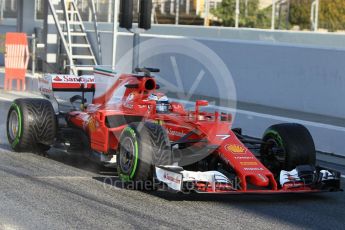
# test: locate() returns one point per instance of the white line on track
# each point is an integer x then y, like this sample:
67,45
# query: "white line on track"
5,99
53,177
64,177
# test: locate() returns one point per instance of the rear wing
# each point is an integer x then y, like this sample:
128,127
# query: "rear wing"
50,83
71,83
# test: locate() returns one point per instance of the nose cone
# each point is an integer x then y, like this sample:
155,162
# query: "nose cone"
259,180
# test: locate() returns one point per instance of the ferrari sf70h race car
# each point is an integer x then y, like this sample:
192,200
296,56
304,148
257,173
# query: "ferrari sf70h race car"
133,126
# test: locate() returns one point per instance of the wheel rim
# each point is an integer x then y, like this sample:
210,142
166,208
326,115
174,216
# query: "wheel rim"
127,155
271,160
13,126
274,144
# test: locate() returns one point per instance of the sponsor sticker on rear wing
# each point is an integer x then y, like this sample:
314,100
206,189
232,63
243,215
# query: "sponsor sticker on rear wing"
45,86
64,82
71,82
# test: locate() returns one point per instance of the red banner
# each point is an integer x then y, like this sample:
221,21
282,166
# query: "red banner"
16,59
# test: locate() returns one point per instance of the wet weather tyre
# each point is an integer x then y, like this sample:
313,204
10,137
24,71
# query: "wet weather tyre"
31,125
295,144
142,146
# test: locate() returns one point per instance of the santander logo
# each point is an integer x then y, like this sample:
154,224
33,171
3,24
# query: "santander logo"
72,79
57,78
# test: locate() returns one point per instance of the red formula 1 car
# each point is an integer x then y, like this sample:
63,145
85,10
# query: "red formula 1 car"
149,138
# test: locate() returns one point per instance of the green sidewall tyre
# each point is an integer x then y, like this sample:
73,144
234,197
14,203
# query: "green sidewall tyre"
136,159
296,142
131,133
14,142
35,123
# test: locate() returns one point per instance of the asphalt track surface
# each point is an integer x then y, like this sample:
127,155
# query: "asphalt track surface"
59,192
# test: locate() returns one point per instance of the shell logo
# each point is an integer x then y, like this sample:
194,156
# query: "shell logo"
236,149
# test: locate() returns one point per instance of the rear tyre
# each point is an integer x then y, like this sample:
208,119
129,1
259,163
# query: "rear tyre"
142,146
288,145
31,125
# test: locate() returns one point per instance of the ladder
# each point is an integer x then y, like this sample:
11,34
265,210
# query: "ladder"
73,35
95,24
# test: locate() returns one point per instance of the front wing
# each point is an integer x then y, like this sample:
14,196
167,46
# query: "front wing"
176,179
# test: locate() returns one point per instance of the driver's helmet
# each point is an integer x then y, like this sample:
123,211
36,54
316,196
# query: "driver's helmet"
162,102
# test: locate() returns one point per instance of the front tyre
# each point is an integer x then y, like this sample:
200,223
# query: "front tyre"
142,146
31,125
287,146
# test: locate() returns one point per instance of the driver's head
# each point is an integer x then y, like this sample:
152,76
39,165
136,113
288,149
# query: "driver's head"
162,102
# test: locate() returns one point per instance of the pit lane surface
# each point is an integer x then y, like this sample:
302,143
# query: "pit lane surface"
59,192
